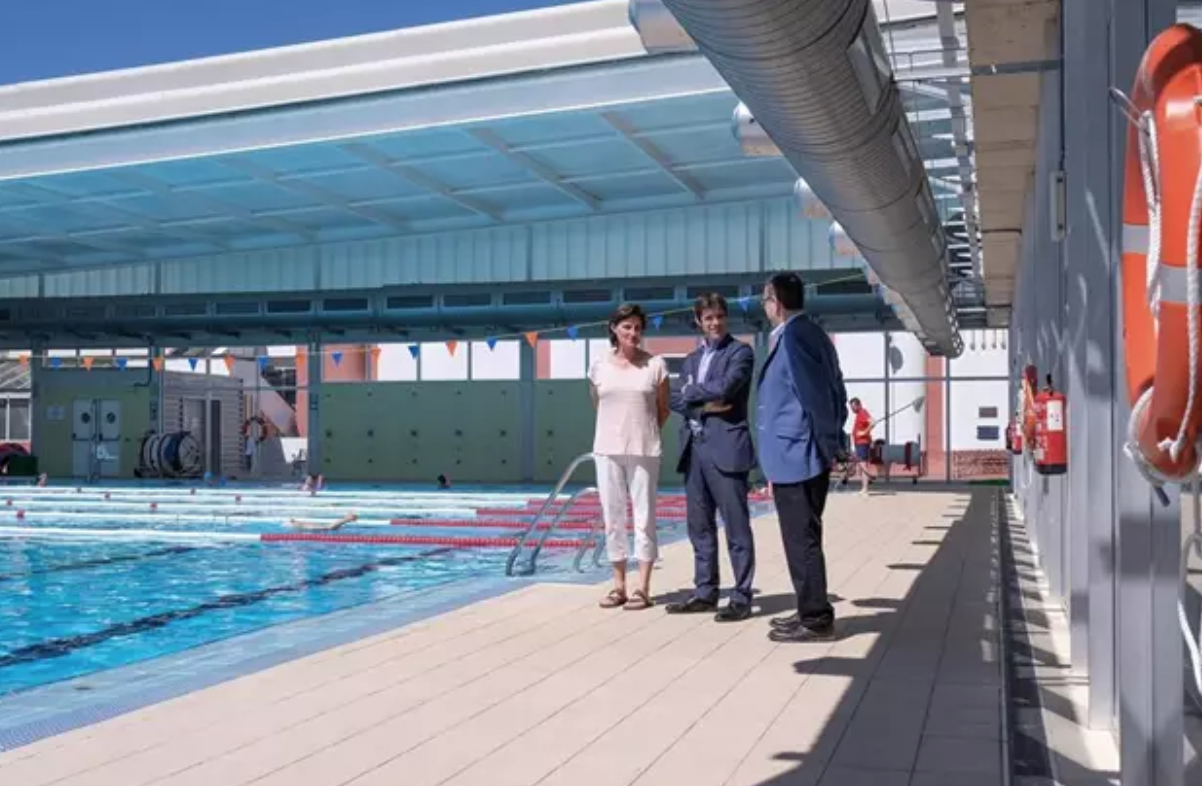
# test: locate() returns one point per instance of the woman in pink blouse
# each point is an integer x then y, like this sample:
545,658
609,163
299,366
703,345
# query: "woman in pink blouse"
630,391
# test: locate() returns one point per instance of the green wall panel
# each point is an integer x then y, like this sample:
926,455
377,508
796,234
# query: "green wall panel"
61,388
471,431
408,431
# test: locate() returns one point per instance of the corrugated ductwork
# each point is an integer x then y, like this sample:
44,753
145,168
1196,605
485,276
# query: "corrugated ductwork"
815,75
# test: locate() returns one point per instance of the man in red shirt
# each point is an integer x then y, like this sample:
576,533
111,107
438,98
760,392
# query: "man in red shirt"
861,439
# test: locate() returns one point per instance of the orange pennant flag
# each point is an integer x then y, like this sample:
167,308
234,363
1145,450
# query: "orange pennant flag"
157,362
452,346
375,353
532,338
229,363
24,359
88,361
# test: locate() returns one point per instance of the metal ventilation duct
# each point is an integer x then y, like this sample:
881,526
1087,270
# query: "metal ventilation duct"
815,75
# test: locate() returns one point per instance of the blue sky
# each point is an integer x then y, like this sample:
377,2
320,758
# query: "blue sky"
41,39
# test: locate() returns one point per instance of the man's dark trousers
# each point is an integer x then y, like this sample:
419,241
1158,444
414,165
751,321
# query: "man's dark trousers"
799,507
711,491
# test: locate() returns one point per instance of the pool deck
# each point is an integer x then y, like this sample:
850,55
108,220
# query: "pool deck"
540,686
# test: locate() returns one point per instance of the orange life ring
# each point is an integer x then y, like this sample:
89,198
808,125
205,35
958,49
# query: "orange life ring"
1160,202
261,429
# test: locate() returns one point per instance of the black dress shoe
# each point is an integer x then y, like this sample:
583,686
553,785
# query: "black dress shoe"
801,633
734,612
785,623
692,606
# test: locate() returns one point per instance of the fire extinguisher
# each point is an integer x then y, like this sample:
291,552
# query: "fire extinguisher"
1014,438
1051,436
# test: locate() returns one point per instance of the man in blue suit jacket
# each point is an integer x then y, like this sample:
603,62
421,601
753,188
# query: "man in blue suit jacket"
716,457
802,407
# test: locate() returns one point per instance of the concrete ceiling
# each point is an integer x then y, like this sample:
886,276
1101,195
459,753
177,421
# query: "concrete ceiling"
1012,47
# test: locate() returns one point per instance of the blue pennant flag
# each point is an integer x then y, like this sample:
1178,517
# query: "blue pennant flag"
121,363
573,331
337,355
492,343
55,362
262,363
415,350
745,302
192,363
657,321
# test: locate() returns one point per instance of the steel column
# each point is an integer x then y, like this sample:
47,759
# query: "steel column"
314,441
527,371
1150,667
1090,327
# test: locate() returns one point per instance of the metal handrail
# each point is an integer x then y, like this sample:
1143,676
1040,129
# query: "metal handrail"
591,542
563,511
554,495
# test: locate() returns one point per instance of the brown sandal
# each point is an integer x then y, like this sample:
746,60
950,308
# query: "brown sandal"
614,599
638,601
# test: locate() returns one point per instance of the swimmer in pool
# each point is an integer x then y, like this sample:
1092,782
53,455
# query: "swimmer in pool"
444,482
325,526
313,483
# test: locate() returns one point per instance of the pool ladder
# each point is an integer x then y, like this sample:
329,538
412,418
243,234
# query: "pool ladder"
591,543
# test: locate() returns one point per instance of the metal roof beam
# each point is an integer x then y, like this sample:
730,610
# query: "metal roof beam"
137,219
649,149
418,178
535,167
325,196
166,191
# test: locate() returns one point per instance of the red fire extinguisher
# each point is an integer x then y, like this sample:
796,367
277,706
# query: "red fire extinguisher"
1051,435
1014,438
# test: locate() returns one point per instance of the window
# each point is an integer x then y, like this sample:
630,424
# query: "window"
988,434
987,413
18,419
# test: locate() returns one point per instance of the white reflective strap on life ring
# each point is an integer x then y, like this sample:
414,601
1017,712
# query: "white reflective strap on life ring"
1173,285
1135,239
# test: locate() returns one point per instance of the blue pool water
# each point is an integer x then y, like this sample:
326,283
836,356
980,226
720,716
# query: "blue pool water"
73,608
70,608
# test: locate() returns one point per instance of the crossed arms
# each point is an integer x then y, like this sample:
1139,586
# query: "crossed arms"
714,394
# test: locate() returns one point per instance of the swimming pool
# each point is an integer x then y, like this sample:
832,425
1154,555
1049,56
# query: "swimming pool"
95,579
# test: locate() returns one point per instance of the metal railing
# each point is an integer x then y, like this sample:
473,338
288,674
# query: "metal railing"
523,539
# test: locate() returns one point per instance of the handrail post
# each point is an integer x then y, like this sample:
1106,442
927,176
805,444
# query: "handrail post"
554,495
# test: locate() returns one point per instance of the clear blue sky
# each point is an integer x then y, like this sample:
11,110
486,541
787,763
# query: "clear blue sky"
40,39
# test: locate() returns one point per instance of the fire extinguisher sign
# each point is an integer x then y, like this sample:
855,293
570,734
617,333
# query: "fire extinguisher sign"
1055,416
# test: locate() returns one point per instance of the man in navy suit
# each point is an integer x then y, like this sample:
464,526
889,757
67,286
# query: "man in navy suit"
802,404
716,457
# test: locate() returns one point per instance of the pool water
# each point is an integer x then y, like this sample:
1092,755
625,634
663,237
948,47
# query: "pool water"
125,574
70,608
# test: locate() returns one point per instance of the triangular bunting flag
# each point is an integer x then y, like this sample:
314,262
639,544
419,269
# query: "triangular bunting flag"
230,360
452,346
532,338
262,360
55,362
157,362
492,343
415,350
88,360
122,363
657,321
375,354
573,331
745,302
337,356
24,359
192,363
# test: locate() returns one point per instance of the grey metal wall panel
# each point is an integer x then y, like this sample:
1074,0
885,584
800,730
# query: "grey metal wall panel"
19,286
100,282
274,270
792,242
709,239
